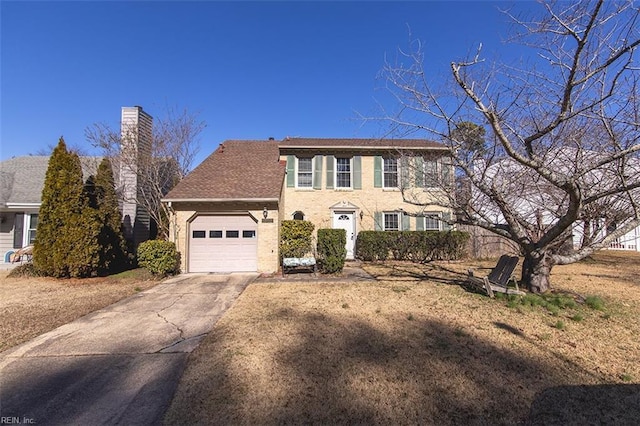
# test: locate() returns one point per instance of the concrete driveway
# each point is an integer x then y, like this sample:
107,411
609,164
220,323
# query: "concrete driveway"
117,365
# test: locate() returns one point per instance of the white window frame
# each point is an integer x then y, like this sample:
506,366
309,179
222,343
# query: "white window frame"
384,173
398,219
26,229
335,173
437,172
437,216
298,172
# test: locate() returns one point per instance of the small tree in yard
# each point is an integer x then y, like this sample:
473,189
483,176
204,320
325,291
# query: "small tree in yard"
547,149
173,147
66,243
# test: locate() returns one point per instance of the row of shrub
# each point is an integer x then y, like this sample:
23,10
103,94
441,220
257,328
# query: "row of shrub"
414,246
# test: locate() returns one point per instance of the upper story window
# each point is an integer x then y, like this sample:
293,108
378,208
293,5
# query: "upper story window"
343,173
305,173
390,172
391,222
432,222
431,177
437,173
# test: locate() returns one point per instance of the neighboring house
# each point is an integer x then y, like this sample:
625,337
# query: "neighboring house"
227,212
22,181
21,184
539,202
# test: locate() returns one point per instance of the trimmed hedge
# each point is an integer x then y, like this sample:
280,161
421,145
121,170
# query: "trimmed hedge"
296,238
159,257
331,250
415,246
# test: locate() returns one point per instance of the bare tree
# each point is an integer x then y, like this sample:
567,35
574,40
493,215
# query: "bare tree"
158,165
560,159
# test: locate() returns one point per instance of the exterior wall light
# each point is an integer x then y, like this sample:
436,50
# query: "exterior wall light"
265,213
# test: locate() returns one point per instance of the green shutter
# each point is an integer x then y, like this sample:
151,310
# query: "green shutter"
357,172
291,171
445,225
377,218
419,172
419,223
331,161
404,172
317,172
377,171
446,172
406,224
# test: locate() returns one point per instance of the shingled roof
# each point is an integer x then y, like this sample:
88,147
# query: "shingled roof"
237,170
22,178
346,143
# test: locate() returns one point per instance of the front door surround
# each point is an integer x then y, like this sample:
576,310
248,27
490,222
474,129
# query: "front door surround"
346,220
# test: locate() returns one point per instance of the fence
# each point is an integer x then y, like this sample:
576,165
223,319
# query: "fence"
485,244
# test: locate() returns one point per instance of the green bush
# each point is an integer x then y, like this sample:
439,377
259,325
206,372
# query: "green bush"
159,257
331,249
415,246
296,238
372,245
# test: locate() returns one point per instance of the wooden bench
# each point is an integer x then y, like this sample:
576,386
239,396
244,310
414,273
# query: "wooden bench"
296,263
499,277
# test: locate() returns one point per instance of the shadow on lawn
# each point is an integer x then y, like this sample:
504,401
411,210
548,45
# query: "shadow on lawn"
437,273
340,370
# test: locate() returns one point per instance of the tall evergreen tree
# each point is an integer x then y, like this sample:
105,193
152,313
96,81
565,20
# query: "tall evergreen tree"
113,248
66,243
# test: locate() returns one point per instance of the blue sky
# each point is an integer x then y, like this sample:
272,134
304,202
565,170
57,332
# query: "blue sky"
250,69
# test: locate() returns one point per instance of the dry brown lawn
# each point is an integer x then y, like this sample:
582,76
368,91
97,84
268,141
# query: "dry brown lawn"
415,347
32,306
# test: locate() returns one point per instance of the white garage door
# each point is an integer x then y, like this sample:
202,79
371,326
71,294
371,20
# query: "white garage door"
223,244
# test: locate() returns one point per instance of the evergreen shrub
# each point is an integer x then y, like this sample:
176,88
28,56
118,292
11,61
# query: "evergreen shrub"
414,246
159,257
331,250
296,238
66,243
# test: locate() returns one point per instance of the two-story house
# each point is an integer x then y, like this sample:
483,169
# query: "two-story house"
227,212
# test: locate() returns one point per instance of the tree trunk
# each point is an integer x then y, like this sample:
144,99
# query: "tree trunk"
536,270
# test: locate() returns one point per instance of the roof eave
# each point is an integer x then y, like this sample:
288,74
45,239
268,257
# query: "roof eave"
354,147
220,200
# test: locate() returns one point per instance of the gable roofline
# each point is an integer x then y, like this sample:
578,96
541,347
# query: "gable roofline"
225,176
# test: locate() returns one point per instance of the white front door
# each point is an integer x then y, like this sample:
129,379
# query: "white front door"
345,220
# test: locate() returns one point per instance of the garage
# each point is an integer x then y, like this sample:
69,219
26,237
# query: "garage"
223,243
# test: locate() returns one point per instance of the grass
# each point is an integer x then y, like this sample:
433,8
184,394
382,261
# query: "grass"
594,302
30,306
453,362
